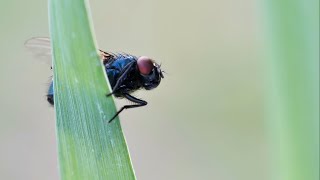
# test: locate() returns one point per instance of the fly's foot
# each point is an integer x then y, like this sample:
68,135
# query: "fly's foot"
109,94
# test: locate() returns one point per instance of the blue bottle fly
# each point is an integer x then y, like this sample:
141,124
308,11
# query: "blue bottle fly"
126,73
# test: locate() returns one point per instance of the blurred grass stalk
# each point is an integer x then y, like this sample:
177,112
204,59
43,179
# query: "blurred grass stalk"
293,101
88,147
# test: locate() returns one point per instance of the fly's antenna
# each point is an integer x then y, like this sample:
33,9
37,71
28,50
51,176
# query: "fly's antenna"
160,70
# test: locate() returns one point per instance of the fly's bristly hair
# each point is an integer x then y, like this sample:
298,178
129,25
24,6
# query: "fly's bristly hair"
108,57
125,55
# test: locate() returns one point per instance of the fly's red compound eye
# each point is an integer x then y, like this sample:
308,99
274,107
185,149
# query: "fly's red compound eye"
145,65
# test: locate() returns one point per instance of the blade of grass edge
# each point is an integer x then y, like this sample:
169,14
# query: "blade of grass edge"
88,147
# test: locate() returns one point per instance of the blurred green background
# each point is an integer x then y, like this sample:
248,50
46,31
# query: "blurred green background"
215,114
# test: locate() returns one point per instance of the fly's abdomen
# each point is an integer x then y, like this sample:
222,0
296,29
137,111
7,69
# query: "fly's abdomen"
50,94
112,75
113,70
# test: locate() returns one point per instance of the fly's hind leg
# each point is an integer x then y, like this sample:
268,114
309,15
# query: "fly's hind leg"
139,103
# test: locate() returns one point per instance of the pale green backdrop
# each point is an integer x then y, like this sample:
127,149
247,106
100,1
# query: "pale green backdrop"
205,120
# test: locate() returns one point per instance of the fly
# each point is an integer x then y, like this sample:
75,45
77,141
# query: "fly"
126,73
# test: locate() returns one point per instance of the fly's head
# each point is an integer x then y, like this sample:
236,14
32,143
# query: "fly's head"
150,72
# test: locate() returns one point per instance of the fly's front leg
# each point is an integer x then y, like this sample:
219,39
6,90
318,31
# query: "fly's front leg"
139,102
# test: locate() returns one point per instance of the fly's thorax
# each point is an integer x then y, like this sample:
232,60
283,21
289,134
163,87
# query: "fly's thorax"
116,66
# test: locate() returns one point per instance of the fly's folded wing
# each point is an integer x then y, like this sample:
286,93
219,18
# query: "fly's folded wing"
40,47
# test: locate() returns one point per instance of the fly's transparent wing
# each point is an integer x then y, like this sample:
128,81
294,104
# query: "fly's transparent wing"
40,47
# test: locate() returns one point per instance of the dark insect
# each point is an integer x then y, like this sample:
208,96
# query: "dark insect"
126,73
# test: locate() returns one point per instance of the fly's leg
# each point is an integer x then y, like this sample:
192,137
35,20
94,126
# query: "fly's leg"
121,78
139,102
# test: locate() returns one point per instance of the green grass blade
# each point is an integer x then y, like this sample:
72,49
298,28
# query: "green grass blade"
294,88
89,147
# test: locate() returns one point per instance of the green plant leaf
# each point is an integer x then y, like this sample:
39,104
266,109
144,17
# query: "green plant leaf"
293,113
88,147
